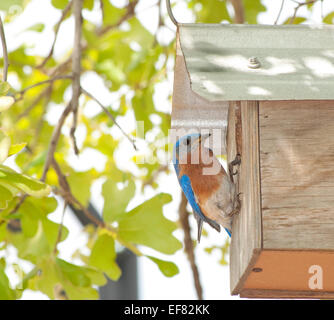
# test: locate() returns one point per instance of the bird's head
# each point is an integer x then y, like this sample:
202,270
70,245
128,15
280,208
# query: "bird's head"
187,144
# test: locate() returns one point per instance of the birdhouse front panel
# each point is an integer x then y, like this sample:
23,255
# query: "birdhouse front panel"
297,174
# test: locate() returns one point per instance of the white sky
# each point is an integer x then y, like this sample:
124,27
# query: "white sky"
152,284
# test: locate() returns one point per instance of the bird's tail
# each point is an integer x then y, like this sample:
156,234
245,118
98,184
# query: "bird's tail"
212,223
199,227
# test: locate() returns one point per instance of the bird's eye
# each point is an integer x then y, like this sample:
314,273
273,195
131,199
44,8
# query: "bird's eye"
188,141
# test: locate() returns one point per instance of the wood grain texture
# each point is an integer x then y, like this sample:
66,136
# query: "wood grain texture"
297,174
246,239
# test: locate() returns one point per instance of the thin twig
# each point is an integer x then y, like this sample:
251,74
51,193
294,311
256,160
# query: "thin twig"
130,12
300,4
85,92
280,11
102,9
4,51
54,140
18,205
60,230
69,197
47,91
64,66
57,27
51,80
189,246
76,68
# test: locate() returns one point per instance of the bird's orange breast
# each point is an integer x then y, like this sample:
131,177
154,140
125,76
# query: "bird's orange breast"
202,184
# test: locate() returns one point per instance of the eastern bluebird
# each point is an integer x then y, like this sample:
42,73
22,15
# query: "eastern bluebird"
212,196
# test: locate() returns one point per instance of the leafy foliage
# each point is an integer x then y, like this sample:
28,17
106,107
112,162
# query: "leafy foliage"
129,62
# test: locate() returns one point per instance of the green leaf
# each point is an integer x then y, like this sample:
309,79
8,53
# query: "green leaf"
88,4
139,34
80,183
116,200
146,225
57,271
26,184
5,197
38,27
76,274
6,102
112,14
6,293
4,88
32,248
5,5
96,277
210,11
16,148
34,210
143,106
59,4
3,229
4,146
329,18
48,277
103,256
113,72
169,269
252,10
296,20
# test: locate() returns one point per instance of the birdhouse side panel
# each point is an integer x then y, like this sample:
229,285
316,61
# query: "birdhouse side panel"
297,174
246,241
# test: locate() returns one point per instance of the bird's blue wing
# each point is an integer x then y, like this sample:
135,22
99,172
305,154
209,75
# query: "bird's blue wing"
189,193
228,232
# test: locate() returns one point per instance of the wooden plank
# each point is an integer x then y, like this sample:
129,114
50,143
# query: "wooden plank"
284,294
288,273
246,239
297,174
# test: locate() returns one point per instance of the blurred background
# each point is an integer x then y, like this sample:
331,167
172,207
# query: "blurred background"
90,205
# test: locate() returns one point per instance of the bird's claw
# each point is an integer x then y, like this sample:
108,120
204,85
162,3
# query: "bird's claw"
235,162
237,205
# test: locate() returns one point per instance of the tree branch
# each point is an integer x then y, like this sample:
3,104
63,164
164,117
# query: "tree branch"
85,92
44,93
188,245
4,51
54,140
60,230
66,193
130,12
64,66
299,5
239,12
76,68
57,27
280,11
51,80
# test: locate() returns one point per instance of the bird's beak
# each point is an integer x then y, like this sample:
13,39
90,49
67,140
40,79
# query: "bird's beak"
203,137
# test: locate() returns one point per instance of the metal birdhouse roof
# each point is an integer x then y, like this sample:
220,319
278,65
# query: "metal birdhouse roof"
259,62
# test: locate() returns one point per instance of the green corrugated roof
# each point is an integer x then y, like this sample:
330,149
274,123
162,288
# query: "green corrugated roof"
297,62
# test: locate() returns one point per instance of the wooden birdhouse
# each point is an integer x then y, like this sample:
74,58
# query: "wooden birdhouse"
270,89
